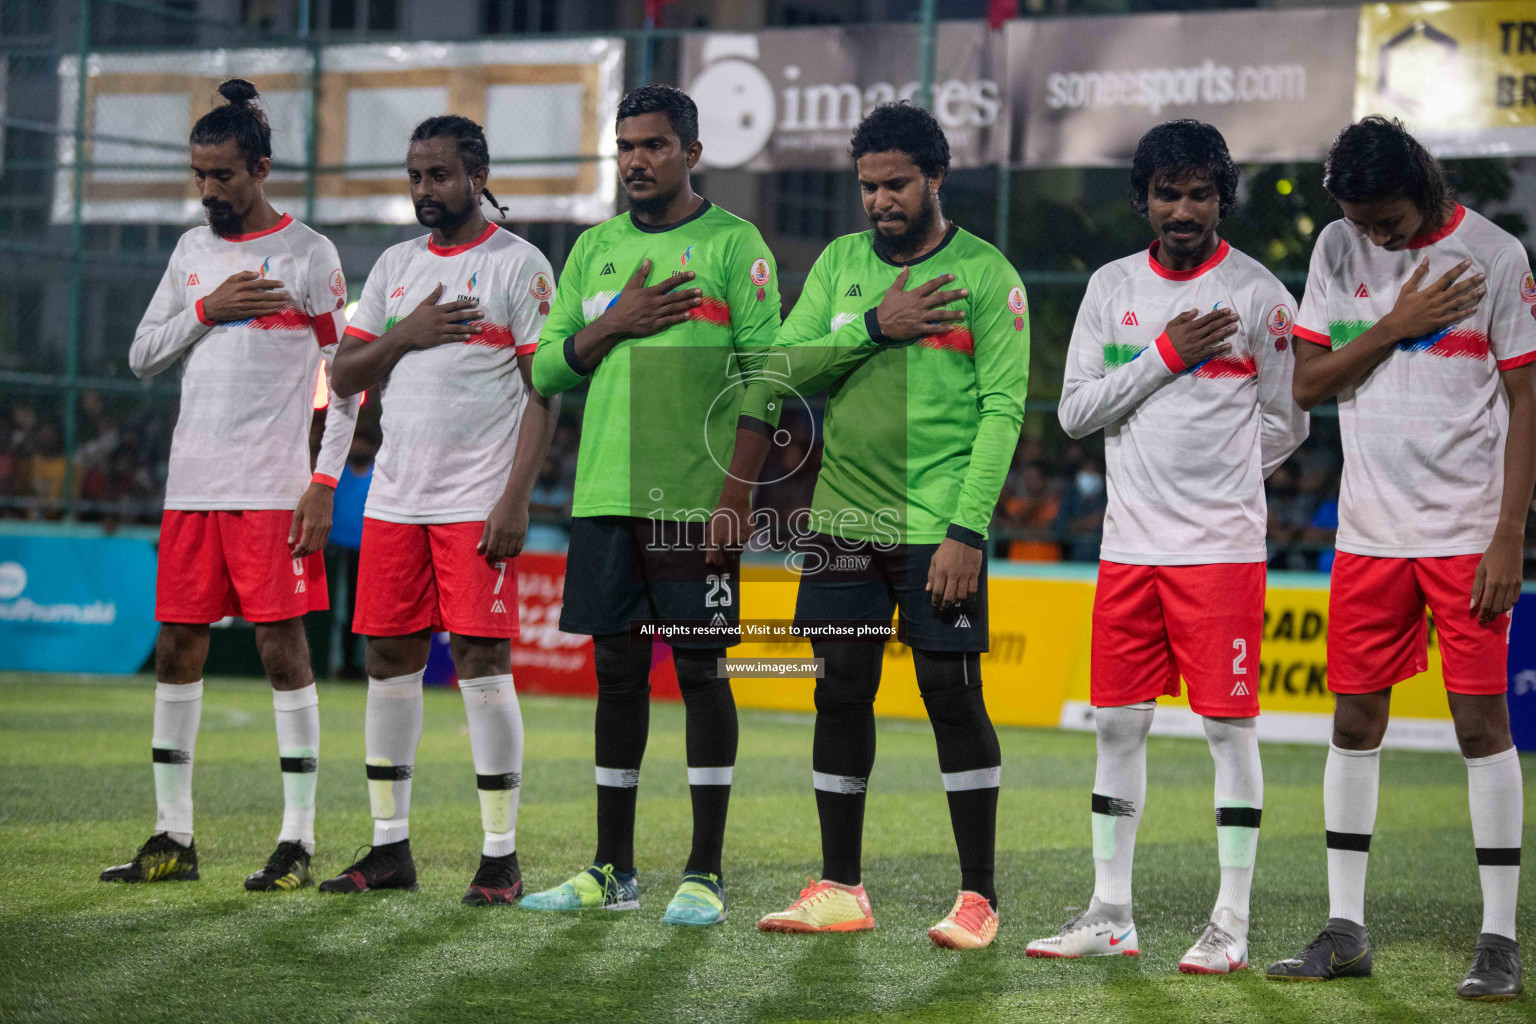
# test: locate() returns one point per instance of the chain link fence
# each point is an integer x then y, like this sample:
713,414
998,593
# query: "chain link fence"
82,440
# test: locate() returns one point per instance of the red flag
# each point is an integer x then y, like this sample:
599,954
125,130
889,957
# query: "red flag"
998,11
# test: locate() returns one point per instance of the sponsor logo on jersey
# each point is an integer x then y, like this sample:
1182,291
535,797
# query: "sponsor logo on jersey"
607,269
1279,321
398,293
1129,320
961,622
474,279
1239,689
687,255
1281,343
192,279
266,266
540,288
853,292
760,272
1016,300
1362,292
338,283
1528,287
498,607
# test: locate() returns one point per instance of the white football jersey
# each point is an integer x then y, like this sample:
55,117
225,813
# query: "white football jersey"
451,413
1424,431
248,388
1186,449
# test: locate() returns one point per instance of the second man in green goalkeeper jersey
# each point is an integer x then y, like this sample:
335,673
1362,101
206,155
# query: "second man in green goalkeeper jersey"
663,308
919,331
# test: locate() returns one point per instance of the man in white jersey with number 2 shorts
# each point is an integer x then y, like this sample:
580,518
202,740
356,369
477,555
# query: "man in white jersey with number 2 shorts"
1419,316
1182,356
447,325
249,307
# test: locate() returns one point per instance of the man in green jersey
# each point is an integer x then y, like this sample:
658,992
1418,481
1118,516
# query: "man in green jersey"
920,332
662,309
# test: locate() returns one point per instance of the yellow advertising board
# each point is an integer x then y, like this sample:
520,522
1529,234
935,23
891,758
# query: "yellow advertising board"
1037,670
1462,76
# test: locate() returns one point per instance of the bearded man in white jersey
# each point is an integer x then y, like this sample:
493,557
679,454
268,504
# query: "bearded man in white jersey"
447,512
1420,315
250,307
1182,356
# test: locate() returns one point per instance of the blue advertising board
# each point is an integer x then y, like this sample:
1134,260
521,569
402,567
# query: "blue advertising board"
1522,671
76,603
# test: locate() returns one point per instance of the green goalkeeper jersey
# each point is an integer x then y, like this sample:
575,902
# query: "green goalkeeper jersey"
659,424
918,435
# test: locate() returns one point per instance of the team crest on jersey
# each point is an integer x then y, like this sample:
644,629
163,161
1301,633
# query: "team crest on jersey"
687,255
1528,288
1279,321
760,272
540,288
338,283
1016,300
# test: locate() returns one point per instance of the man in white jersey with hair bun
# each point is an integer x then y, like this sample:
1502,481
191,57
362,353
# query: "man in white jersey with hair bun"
1182,356
1420,315
446,327
250,307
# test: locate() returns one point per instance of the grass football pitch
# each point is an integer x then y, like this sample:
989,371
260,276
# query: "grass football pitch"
76,795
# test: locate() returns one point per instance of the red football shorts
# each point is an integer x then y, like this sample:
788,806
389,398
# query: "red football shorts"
214,564
415,576
1154,623
1377,635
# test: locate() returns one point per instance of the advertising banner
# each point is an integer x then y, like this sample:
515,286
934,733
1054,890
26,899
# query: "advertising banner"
547,109
790,98
1276,83
1462,76
76,604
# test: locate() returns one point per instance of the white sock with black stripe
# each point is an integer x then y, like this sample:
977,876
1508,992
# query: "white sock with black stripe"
1119,791
391,734
1351,782
297,713
1234,744
1497,801
178,711
496,743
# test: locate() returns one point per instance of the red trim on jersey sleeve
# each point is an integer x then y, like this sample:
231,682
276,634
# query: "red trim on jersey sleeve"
1312,336
1169,353
359,334
1187,275
1515,362
438,250
1443,232
324,327
321,478
202,317
282,222
528,349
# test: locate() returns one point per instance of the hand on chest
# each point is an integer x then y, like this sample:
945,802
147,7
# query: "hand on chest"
207,272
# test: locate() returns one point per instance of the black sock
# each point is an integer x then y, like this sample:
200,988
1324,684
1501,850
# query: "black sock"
712,734
969,759
623,723
843,752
